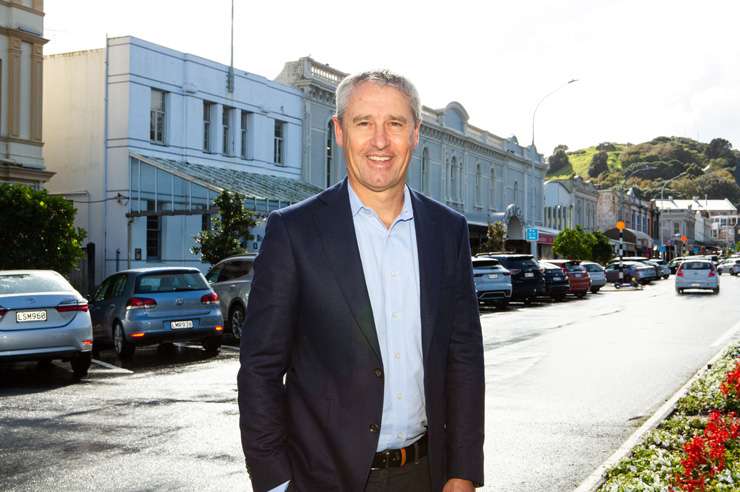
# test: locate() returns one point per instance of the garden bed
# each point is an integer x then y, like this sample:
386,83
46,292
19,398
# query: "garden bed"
697,448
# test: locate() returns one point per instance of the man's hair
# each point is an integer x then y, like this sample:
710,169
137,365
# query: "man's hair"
382,78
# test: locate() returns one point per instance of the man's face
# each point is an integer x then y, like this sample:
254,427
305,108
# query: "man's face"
378,135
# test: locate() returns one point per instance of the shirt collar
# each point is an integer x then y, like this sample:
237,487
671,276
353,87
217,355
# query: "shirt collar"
356,205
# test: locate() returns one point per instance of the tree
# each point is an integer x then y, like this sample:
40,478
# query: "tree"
601,248
718,147
495,237
37,230
228,230
599,164
559,160
573,244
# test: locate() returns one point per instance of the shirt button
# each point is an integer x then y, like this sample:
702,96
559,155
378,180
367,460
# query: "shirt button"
397,355
396,316
400,435
374,428
399,396
394,274
378,372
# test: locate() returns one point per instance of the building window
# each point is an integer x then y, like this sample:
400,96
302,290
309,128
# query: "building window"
279,155
207,111
453,180
157,117
516,193
226,123
478,179
425,171
244,133
492,189
329,154
153,233
205,222
676,228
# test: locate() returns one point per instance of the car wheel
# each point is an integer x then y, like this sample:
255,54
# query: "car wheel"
212,344
81,364
166,348
236,321
44,364
734,274
528,301
581,295
679,292
716,291
595,290
124,349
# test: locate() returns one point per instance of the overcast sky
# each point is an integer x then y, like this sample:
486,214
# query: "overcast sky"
644,68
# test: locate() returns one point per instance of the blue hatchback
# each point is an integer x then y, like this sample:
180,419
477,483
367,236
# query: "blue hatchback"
148,306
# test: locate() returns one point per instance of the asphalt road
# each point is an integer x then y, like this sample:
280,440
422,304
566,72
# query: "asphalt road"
567,383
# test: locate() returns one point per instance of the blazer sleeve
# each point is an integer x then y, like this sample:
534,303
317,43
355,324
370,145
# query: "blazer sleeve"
465,376
264,355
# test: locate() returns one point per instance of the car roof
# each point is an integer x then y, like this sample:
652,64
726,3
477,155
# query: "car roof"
563,262
158,269
28,270
503,255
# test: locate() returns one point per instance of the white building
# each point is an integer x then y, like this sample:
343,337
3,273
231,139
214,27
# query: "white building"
486,177
569,203
21,74
719,218
144,137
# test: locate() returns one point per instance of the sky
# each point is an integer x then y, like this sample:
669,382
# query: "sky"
643,68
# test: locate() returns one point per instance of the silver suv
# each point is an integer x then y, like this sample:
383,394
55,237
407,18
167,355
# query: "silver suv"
231,279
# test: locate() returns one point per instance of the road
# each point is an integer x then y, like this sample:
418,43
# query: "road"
567,383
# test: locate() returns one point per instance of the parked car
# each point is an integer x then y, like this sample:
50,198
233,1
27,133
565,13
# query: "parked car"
641,272
697,274
527,281
492,282
597,274
42,318
147,306
731,266
556,282
661,266
232,279
577,276
647,274
675,263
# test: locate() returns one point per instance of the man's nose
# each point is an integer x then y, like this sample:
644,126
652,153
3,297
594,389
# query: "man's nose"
380,138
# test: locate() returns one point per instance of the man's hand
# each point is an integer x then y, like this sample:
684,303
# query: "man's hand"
458,485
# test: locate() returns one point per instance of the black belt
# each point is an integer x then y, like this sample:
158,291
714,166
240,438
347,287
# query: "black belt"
394,458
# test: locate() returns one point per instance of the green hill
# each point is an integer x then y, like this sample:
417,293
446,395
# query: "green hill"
581,159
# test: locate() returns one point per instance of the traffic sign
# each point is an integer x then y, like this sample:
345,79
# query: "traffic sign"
662,248
684,238
620,225
533,234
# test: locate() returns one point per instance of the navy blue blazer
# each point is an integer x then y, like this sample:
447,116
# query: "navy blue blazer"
309,320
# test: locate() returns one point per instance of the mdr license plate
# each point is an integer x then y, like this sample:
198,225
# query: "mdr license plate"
529,274
178,325
29,316
492,275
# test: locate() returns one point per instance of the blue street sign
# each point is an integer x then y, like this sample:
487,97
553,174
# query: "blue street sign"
662,248
533,234
695,249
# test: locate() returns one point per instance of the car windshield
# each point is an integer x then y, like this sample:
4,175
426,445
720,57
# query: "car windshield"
170,282
696,265
575,268
592,268
27,282
486,264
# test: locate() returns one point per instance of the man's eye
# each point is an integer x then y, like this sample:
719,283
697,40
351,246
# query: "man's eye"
396,124
362,123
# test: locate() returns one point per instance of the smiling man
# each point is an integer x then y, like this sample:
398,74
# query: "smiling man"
361,356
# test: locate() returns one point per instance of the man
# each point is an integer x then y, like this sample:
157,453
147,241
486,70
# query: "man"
361,356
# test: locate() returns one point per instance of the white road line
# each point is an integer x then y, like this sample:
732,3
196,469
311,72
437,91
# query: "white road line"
111,366
727,335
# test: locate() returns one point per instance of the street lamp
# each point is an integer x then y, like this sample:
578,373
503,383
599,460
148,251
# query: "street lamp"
545,97
620,222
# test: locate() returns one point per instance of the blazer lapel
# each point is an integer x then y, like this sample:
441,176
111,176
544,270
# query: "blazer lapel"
430,264
335,224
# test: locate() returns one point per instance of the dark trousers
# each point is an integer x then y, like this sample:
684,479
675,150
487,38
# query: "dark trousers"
413,477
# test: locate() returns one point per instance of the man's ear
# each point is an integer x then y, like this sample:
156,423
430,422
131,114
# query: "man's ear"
338,131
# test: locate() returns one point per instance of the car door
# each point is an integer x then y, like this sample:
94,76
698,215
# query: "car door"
115,302
97,312
213,280
229,279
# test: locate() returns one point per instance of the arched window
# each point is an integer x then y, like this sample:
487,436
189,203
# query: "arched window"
492,190
329,177
478,179
425,171
454,183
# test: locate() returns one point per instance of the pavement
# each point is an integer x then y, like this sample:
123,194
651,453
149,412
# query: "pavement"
567,384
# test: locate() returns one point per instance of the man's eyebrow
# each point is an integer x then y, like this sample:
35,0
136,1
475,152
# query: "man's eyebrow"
360,117
399,118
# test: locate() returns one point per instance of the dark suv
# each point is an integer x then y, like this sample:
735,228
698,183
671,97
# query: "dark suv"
527,280
232,280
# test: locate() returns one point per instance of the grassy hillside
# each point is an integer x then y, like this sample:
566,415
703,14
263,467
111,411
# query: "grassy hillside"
580,160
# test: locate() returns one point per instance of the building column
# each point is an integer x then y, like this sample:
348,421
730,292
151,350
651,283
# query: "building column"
14,87
37,71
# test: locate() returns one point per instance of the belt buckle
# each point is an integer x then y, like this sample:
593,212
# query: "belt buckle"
387,455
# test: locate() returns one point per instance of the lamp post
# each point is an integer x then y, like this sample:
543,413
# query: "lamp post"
534,113
620,221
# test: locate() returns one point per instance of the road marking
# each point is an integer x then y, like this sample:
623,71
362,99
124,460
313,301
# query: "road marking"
111,366
727,335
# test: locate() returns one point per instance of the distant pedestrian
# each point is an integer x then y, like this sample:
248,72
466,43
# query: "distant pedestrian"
361,356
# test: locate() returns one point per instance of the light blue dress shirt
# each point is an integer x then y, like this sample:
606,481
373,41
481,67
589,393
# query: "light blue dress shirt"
390,264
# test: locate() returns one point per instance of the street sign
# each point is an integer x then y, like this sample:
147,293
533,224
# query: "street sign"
662,248
684,238
620,225
695,249
533,234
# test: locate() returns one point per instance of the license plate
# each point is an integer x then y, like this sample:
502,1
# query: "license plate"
493,275
557,278
695,285
529,274
178,325
576,275
29,316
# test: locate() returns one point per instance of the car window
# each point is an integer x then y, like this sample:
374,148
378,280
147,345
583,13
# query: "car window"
696,265
214,273
487,264
117,287
235,269
575,268
100,293
23,283
170,281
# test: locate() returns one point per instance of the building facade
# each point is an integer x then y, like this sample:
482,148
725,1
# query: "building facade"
569,203
641,219
486,177
718,220
21,75
157,134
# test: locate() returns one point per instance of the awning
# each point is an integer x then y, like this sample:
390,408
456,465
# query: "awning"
261,187
638,238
